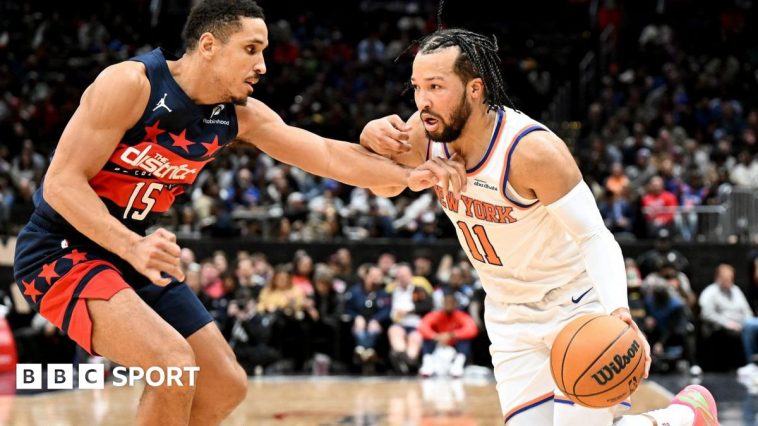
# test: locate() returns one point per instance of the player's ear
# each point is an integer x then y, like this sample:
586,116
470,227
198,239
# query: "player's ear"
476,88
205,44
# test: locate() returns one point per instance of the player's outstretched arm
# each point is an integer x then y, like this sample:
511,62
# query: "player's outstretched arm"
407,144
343,161
110,106
542,164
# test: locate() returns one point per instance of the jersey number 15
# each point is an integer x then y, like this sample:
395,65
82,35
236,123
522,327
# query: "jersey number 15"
146,199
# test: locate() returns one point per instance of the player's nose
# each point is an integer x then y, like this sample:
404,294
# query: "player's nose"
260,67
422,101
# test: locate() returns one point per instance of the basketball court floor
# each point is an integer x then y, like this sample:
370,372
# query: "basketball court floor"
359,401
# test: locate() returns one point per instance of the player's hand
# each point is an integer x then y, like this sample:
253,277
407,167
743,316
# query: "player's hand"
449,173
154,254
624,315
386,136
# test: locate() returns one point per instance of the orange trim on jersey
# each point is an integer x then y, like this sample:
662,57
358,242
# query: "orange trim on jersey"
528,405
505,169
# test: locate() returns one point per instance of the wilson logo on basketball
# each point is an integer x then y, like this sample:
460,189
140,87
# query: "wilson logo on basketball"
619,363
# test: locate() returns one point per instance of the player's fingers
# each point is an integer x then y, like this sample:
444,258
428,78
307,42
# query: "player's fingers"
166,234
459,164
454,177
648,359
425,178
169,268
160,255
170,248
395,146
156,278
398,122
443,176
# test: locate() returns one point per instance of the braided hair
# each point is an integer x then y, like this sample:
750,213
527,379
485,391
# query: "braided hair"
478,59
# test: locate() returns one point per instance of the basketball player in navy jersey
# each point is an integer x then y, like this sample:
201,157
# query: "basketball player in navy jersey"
528,223
142,133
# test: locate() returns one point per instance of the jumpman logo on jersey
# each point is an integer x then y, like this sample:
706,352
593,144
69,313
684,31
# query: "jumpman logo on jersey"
162,103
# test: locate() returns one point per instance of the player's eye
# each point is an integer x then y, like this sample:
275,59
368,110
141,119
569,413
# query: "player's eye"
435,86
251,50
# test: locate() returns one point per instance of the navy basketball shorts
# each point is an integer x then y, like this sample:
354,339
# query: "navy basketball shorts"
57,273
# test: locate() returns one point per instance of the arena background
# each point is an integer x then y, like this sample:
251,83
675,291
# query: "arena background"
636,89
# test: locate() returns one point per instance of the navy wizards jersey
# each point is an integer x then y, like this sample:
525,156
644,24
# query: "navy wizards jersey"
160,156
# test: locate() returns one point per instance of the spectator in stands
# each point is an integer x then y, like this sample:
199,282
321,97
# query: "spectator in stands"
210,279
668,325
635,294
409,304
186,258
617,214
246,278
250,335
281,296
753,274
220,262
28,166
422,268
662,251
342,265
457,284
745,173
301,278
369,307
676,281
658,206
617,183
693,194
387,262
286,304
325,309
449,327
724,308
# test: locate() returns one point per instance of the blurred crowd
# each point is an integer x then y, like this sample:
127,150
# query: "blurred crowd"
422,316
671,129
674,125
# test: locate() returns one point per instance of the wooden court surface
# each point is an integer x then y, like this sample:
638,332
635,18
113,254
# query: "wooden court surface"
302,401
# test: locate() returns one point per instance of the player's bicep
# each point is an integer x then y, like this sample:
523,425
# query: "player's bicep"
286,143
262,127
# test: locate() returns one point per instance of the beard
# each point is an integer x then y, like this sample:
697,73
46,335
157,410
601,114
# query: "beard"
239,101
450,132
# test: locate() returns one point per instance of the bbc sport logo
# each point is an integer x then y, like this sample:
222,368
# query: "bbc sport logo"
92,376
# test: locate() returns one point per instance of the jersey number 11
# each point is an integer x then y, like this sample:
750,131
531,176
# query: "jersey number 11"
481,235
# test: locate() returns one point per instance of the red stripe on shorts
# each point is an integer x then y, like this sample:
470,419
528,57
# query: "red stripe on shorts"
103,285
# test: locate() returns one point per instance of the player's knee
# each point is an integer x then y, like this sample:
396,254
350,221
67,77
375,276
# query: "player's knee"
175,353
232,386
237,385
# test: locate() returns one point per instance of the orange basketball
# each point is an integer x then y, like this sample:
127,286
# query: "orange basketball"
597,361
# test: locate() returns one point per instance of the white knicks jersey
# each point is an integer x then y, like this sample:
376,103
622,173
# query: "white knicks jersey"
519,250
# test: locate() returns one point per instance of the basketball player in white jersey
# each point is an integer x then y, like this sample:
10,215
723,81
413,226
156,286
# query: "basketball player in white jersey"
528,223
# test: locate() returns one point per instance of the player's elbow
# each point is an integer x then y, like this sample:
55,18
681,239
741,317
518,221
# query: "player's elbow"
52,189
57,188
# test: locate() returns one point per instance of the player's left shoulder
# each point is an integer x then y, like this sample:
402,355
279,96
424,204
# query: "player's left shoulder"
541,151
541,164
